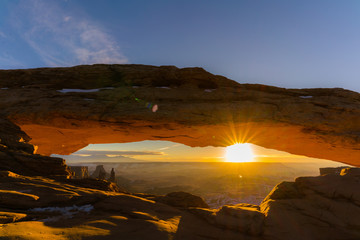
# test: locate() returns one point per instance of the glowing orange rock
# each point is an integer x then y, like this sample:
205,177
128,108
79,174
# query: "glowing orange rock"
193,107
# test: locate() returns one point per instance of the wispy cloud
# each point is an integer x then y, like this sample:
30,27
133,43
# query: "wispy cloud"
61,38
7,61
115,153
98,158
108,156
172,146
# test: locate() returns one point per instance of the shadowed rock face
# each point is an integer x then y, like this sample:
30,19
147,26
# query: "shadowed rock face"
79,172
16,154
195,108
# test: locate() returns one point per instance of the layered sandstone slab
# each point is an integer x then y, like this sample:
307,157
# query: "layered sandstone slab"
324,207
193,107
45,208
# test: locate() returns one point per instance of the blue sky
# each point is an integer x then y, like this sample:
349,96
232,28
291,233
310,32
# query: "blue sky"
293,44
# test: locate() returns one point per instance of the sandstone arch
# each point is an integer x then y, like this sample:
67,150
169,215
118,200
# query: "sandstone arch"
196,108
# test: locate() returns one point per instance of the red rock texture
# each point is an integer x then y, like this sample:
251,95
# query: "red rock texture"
195,108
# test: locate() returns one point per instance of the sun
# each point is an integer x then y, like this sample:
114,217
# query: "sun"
240,152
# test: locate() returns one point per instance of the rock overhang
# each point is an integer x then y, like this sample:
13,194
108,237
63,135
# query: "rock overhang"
195,108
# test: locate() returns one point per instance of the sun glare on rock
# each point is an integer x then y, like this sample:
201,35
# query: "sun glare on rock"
240,152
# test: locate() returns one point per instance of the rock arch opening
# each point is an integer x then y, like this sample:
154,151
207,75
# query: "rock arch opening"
162,167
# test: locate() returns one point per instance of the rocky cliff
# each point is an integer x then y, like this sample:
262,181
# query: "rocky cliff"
64,109
99,172
16,154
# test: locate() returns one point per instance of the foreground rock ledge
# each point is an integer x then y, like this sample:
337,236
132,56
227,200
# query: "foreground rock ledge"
324,208
195,108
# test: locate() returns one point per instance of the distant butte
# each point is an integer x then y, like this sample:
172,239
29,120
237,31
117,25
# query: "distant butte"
193,107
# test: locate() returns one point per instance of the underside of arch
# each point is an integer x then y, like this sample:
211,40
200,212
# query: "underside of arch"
193,107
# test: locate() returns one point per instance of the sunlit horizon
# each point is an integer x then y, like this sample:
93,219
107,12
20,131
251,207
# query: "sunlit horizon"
167,151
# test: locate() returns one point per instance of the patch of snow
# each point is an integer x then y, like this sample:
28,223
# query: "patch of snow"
164,87
69,90
306,96
209,90
67,212
4,88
